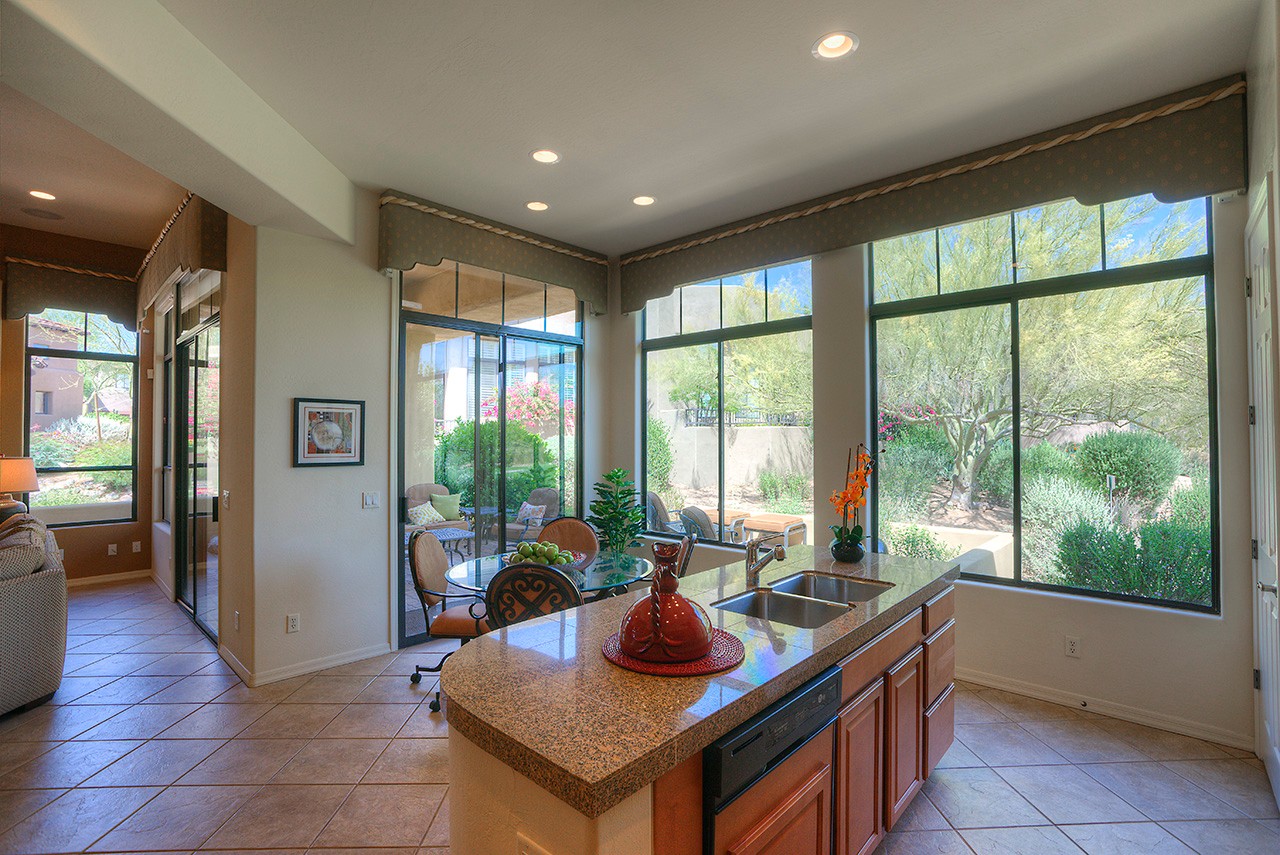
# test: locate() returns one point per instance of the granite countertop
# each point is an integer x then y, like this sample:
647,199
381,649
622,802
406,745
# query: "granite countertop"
541,697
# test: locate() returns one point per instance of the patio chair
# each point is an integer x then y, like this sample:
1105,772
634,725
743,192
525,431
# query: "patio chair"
520,592
531,529
573,534
659,518
420,494
696,522
428,564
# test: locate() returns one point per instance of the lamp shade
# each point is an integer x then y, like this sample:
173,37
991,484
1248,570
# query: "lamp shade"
18,475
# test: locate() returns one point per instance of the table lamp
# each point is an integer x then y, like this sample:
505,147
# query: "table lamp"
17,475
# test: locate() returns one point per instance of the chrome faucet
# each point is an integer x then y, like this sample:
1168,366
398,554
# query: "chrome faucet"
756,562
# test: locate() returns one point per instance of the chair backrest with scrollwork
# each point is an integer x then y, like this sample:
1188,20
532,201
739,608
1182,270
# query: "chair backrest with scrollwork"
573,534
523,591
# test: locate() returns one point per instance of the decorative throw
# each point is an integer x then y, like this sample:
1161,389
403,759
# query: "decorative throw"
530,513
22,548
425,514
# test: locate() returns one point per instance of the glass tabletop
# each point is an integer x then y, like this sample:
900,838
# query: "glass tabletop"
607,571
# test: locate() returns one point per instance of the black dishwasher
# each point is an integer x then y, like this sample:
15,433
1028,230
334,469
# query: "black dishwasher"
734,763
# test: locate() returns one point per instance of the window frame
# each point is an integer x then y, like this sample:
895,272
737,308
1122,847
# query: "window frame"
30,351
719,337
1010,295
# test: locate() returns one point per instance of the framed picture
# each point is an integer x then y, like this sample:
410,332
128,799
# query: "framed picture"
328,432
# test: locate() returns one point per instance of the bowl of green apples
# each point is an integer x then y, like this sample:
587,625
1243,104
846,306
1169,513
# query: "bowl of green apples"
532,552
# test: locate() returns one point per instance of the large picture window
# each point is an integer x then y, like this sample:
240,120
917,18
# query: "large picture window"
728,376
1045,393
82,370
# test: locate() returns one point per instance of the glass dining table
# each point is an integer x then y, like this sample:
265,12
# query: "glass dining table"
607,575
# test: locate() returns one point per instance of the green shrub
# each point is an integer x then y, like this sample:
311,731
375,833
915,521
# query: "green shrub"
1166,560
785,494
530,462
918,542
1042,460
1190,507
931,438
906,477
1145,465
659,457
58,496
117,452
1051,505
996,476
52,448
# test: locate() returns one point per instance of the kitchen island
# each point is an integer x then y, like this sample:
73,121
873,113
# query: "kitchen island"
552,745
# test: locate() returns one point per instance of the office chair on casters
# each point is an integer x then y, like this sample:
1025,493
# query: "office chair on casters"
427,565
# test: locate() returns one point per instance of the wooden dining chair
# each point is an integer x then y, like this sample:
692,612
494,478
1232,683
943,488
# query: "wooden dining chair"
575,535
522,591
428,564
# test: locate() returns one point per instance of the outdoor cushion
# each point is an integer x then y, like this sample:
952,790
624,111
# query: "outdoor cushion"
530,513
425,514
448,506
22,547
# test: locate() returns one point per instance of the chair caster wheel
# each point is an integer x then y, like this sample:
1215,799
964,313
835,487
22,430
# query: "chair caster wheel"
435,706
415,678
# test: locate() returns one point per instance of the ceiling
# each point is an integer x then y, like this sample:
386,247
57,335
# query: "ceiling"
101,193
717,109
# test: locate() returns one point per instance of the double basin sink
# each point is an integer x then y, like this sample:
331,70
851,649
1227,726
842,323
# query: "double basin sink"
806,600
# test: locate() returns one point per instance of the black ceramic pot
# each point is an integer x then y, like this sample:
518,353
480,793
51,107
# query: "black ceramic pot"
847,552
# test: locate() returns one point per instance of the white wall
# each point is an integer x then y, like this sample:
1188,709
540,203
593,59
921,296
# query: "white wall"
323,331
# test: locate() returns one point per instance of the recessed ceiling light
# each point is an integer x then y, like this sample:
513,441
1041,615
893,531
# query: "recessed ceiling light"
536,206
545,155
40,194
643,200
835,45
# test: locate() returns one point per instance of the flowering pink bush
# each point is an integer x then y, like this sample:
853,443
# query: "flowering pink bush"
891,423
535,404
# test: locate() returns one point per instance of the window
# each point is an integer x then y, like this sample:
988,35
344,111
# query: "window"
468,293
81,377
1045,392
728,378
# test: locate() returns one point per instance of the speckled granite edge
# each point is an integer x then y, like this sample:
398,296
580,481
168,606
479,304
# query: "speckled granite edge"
593,749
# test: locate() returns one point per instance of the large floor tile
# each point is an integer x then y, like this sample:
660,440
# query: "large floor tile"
280,816
157,763
1128,838
178,664
971,709
48,723
77,687
1067,795
117,664
1082,741
1237,782
292,721
196,689
424,722
178,819
74,821
67,765
126,690
396,690
329,690
14,754
412,761
371,666
216,721
1226,836
383,815
332,761
245,761
270,693
1159,792
1006,745
1034,840
1161,744
438,833
979,798
367,721
139,722
17,805
924,843
1022,708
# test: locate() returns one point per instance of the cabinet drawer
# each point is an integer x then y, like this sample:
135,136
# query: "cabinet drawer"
869,662
939,661
939,610
939,729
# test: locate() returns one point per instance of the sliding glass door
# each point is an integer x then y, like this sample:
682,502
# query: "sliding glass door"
196,541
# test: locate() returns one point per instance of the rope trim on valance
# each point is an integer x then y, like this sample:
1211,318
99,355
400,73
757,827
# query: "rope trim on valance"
155,246
81,271
1235,88
489,227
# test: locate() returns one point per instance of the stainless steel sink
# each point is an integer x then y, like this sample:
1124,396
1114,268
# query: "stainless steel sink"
783,608
835,589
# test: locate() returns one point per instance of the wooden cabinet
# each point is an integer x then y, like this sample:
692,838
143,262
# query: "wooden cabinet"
939,662
939,729
789,811
860,773
904,687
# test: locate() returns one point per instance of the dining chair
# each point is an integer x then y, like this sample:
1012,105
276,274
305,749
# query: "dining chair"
428,564
519,592
575,535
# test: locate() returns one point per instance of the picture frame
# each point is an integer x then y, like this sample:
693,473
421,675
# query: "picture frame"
328,432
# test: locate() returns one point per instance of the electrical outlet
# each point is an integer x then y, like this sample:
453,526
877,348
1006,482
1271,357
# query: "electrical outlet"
236,620
137,546
293,623
1071,646
369,501
525,846
111,549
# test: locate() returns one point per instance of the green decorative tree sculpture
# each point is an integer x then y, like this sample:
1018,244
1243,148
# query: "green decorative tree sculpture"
616,513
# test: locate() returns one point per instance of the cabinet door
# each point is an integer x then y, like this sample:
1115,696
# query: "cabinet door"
939,662
800,825
904,716
860,761
939,729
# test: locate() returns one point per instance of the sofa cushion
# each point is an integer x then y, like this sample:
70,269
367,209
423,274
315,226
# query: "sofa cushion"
22,546
448,505
425,514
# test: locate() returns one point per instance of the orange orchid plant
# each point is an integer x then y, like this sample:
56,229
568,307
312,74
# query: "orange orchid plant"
853,497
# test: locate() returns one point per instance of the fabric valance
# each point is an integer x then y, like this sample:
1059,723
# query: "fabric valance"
195,238
33,286
415,231
1178,147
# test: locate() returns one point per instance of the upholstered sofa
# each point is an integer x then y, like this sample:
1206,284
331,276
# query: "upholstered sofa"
33,614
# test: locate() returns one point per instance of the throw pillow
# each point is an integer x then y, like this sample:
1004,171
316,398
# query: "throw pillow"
448,506
425,514
530,513
22,548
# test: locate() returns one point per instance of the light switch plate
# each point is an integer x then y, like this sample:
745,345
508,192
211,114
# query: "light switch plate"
369,501
111,549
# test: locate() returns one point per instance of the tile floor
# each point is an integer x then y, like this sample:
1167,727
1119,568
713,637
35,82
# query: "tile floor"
152,744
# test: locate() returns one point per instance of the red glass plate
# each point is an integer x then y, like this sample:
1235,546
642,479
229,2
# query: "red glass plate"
727,651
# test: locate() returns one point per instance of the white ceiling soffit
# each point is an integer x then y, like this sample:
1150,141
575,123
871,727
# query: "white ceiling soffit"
102,194
130,74
715,108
